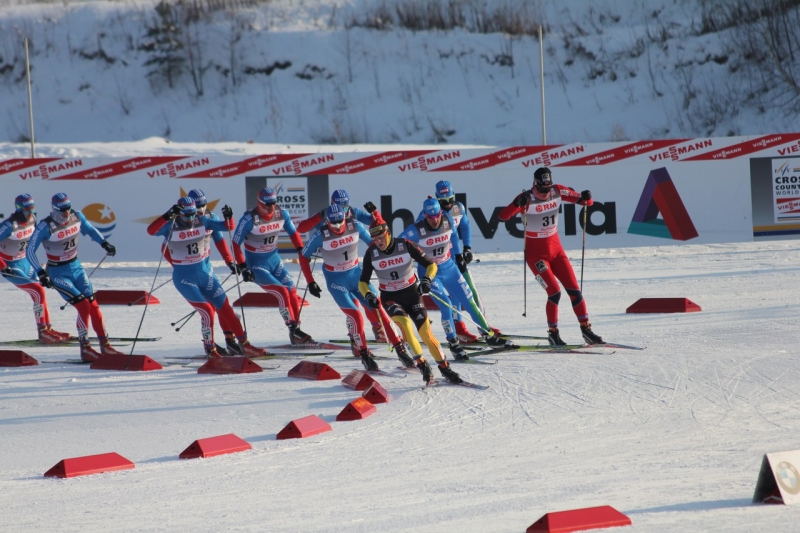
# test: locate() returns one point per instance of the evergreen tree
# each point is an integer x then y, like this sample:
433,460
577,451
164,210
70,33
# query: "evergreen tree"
164,45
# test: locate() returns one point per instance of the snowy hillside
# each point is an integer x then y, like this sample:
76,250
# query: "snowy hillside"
320,72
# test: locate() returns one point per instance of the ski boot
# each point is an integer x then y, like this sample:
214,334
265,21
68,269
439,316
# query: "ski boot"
368,360
50,336
554,338
252,351
458,351
496,332
590,336
448,373
402,354
380,334
298,336
354,349
88,354
463,334
496,342
212,352
107,349
220,350
425,370
232,346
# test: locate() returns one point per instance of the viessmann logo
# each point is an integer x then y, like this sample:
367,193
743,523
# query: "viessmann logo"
661,196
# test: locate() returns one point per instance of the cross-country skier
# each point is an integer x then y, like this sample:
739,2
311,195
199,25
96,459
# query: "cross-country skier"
59,234
447,201
544,253
392,260
258,231
338,241
317,220
436,235
15,233
194,277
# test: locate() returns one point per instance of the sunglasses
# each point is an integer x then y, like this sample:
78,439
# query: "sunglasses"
336,225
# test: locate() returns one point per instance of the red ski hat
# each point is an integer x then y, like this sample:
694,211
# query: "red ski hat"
378,225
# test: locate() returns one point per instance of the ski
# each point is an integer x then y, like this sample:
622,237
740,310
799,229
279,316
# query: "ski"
310,346
539,349
614,345
356,358
442,344
36,343
468,384
387,374
473,361
270,355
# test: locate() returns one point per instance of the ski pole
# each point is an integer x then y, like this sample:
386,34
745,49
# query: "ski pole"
147,301
236,271
185,319
87,277
463,315
305,292
140,298
524,257
583,247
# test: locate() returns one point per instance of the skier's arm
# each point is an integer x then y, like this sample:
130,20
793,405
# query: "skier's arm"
568,194
362,216
419,256
363,232
464,229
308,250
311,222
89,230
5,229
366,273
156,225
516,206
41,233
294,235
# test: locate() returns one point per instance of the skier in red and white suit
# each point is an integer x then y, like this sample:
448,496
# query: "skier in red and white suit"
544,253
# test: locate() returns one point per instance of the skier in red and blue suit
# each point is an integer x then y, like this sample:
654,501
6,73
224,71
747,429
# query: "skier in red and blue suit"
338,241
258,232
59,234
317,220
193,275
15,234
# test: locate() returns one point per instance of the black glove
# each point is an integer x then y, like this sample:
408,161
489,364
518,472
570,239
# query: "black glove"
247,274
234,268
585,197
467,254
44,279
424,285
227,212
7,271
174,211
109,248
299,249
522,199
372,299
314,289
370,207
461,263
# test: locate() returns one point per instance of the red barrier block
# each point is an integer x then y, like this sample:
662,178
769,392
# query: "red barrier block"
16,358
230,365
358,409
109,297
89,464
259,299
125,362
376,394
212,446
579,520
304,427
358,380
664,305
313,371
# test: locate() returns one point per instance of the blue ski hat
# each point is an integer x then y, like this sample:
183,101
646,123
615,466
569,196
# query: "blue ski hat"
61,202
188,207
199,198
268,196
334,214
444,190
431,207
340,198
24,202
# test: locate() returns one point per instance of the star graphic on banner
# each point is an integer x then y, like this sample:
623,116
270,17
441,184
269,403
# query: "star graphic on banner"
105,213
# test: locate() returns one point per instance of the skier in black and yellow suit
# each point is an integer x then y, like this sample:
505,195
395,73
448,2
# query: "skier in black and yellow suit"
392,260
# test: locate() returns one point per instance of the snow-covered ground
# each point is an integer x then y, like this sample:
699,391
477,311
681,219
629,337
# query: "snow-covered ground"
672,436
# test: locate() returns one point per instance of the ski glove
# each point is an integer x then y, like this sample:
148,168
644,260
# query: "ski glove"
314,289
372,299
522,199
109,248
424,285
7,271
467,254
247,274
370,207
174,211
234,268
44,279
461,263
586,198
227,213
